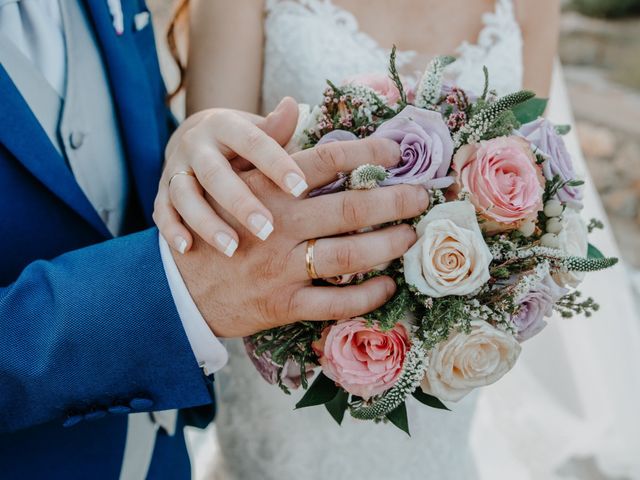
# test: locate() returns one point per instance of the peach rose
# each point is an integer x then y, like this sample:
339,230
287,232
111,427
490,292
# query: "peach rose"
503,181
466,361
363,360
379,82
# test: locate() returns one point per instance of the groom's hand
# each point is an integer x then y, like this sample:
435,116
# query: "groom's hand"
266,284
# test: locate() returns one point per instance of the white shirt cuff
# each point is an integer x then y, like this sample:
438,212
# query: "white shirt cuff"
208,350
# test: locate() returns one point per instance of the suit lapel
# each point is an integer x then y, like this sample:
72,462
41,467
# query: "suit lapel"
24,137
132,98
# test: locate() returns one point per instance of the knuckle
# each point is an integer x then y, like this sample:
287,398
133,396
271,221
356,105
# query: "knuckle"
271,266
338,310
331,157
242,204
346,257
203,226
352,212
293,306
254,139
402,201
212,171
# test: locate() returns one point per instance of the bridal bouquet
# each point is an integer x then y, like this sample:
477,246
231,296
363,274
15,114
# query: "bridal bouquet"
501,247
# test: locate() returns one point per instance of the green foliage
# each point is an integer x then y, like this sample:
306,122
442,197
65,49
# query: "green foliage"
579,264
488,114
321,391
388,315
429,400
595,224
290,342
606,8
436,322
338,405
571,305
593,252
502,126
395,76
529,110
399,418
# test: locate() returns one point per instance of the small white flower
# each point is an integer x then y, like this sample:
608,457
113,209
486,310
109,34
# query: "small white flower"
573,241
450,256
466,361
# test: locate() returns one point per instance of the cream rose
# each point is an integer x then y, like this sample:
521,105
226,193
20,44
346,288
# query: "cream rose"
469,360
573,240
307,118
450,256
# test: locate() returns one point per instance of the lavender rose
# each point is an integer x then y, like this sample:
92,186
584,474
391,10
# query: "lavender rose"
290,376
337,136
425,145
542,134
534,306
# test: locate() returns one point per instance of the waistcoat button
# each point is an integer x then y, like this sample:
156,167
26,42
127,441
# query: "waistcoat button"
76,139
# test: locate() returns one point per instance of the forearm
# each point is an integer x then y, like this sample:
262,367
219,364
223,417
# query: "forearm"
225,61
92,329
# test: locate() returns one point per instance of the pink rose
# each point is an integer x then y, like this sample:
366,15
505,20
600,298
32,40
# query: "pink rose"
379,82
503,180
365,361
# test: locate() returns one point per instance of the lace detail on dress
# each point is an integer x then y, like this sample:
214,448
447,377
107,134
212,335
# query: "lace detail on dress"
499,48
310,41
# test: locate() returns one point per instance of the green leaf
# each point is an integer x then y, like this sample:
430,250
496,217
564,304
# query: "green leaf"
322,390
529,110
338,405
429,400
399,418
593,252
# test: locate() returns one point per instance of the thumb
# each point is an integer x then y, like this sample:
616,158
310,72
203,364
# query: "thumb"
281,123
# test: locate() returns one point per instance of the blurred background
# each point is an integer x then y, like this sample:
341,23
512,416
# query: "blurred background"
600,50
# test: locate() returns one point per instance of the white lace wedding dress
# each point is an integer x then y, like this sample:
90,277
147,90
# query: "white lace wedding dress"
542,418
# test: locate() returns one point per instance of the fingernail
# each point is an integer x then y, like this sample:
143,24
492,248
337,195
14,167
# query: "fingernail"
180,244
423,196
295,183
260,225
227,244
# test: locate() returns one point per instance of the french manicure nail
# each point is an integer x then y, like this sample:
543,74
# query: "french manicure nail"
180,244
260,225
226,243
295,183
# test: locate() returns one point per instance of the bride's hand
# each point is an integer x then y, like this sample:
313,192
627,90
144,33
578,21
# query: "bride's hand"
205,153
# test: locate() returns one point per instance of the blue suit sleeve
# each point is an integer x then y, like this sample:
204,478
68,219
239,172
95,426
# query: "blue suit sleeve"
93,329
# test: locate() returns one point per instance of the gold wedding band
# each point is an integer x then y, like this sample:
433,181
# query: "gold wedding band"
311,268
181,172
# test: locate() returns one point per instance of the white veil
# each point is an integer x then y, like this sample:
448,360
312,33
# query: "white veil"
569,408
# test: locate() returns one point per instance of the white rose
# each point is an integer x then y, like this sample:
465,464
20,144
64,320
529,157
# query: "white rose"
307,118
450,256
573,240
466,361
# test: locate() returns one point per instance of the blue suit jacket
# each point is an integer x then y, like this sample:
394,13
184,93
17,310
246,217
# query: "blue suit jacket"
88,328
